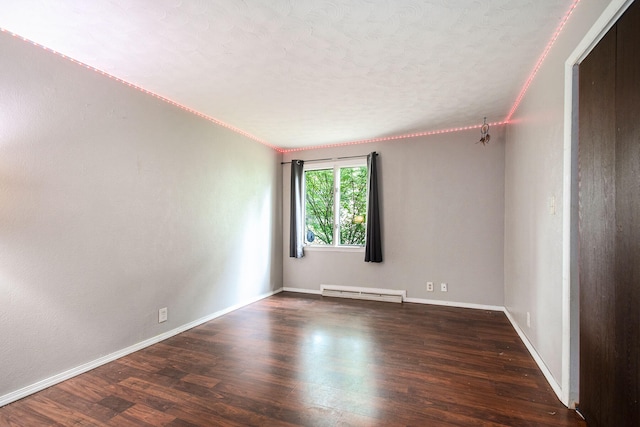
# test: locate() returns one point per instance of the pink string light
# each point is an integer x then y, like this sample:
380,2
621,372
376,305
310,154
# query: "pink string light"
218,122
546,51
392,138
507,119
145,91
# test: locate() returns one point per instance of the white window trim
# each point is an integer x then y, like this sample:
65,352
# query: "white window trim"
336,165
327,248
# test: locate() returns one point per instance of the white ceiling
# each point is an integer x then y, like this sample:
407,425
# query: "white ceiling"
299,73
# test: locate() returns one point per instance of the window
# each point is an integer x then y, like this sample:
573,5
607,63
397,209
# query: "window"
336,203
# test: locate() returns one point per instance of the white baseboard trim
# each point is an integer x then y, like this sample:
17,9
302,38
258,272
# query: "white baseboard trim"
62,376
455,304
413,300
302,291
545,371
55,379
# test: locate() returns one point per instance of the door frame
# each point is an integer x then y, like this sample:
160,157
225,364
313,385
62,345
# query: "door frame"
570,280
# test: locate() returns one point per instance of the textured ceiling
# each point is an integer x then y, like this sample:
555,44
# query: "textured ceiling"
298,73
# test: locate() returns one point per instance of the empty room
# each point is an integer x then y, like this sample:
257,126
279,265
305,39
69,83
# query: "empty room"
319,213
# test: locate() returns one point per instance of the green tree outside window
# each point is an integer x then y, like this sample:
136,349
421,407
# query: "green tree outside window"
320,206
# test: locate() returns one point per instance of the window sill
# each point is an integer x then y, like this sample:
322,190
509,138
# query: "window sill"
317,248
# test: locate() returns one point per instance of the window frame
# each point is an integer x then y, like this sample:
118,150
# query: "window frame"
336,165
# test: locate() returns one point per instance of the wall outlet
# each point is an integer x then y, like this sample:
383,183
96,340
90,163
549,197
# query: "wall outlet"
429,286
163,315
528,319
444,287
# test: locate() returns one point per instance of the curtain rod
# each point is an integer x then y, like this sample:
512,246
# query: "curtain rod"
332,158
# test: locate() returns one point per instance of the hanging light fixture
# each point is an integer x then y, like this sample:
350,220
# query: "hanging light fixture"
484,133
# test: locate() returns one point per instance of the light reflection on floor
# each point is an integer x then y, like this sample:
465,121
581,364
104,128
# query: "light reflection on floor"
335,368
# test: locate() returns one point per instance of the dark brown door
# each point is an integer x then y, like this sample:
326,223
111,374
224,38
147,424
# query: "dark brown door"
609,239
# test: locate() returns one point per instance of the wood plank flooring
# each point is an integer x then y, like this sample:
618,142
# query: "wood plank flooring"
301,360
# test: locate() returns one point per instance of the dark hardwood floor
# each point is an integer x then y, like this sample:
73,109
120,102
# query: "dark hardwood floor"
296,359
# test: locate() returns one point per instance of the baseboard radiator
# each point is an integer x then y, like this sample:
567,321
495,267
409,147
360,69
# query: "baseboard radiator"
373,294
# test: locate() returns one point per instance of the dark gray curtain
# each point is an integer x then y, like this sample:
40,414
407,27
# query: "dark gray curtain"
373,243
296,233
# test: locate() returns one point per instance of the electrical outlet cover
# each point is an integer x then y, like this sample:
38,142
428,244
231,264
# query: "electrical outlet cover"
163,315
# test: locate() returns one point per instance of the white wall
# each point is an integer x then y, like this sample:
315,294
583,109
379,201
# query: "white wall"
535,170
112,205
443,217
